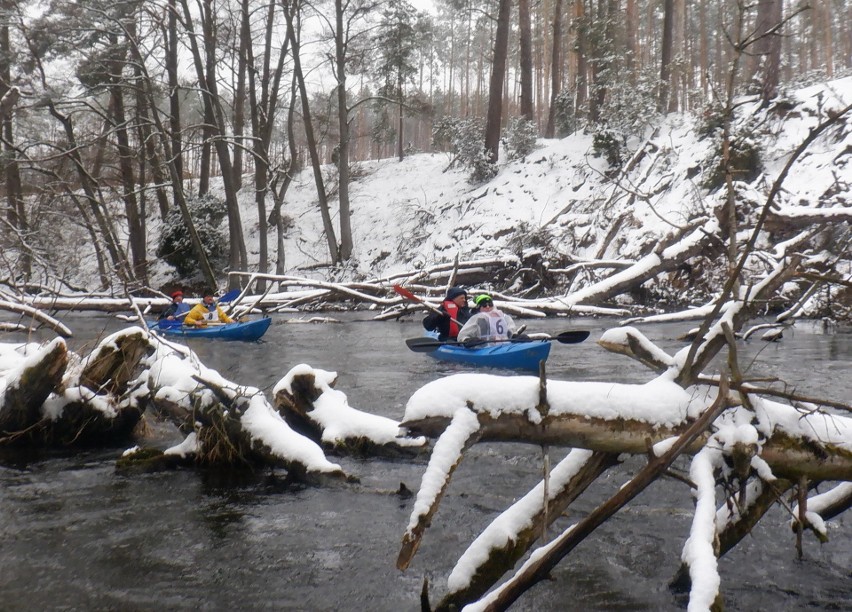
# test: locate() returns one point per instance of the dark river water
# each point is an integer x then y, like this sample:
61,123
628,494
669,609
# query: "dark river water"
75,535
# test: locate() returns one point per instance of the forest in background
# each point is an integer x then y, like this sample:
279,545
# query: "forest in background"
117,113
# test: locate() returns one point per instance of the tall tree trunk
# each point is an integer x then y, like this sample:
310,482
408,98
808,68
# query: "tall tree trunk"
174,90
729,213
464,96
136,232
582,32
263,111
207,134
277,216
117,256
291,13
495,88
768,47
16,212
100,257
605,48
345,251
239,119
666,56
703,48
238,259
149,146
677,57
399,131
449,106
171,163
525,42
631,26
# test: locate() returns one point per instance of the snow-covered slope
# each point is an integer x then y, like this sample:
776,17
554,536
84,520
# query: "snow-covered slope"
561,203
418,212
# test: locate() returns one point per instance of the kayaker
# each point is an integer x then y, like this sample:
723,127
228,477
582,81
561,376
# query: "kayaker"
488,324
176,309
453,314
207,311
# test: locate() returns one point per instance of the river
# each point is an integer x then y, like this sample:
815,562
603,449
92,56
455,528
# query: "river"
75,535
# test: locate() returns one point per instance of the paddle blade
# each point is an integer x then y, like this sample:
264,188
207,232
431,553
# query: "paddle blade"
406,293
230,296
572,337
168,323
424,345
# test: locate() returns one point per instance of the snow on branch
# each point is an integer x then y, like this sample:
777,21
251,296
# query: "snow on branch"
461,433
306,399
823,507
37,315
232,422
699,551
512,533
625,418
633,343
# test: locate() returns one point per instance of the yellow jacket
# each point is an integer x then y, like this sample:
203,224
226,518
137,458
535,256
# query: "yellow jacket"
201,315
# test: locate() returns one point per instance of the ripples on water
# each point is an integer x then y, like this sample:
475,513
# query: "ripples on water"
75,535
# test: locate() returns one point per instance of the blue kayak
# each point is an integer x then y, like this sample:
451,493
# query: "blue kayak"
510,355
247,331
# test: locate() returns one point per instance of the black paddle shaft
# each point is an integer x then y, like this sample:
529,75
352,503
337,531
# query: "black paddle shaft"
427,345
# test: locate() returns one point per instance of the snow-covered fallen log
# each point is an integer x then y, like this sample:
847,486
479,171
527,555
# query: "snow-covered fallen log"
698,240
46,402
306,399
505,541
782,218
759,435
633,343
542,561
230,423
626,418
52,398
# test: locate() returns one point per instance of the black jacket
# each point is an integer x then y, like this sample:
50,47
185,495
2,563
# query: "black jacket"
441,322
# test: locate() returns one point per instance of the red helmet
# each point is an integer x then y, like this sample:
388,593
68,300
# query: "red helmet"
177,294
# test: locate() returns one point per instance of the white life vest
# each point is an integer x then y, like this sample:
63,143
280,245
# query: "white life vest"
498,327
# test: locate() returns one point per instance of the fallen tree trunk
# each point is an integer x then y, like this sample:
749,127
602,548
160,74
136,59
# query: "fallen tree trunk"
788,456
539,567
786,218
40,408
79,416
702,239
